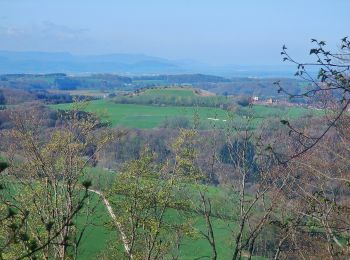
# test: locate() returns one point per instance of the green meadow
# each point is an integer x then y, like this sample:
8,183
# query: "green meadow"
142,116
100,234
151,116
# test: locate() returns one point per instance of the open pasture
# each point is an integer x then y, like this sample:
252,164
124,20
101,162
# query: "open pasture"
147,116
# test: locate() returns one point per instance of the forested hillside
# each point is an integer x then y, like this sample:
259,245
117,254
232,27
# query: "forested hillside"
156,177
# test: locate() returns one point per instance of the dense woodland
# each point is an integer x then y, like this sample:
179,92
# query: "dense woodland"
178,191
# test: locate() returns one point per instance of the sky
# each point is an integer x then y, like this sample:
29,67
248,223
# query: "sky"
216,32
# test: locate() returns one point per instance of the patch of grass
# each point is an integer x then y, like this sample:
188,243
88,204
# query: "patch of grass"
179,92
100,178
97,235
261,111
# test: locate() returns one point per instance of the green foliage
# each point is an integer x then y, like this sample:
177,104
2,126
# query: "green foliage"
154,204
43,195
185,151
142,196
87,184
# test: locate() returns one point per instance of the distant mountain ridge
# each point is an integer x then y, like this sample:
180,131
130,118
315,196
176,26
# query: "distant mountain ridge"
127,64
47,62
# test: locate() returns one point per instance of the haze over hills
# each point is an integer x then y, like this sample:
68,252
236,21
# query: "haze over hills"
128,64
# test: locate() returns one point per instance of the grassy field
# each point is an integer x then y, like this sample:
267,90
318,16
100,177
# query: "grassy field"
262,111
99,234
143,116
151,107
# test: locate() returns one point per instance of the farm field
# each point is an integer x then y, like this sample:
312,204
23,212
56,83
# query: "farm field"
262,111
142,116
99,234
147,116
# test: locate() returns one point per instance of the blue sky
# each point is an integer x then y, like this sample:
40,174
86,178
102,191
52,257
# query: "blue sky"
216,32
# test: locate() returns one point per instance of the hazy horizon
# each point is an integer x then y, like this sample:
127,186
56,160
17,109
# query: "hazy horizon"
216,33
